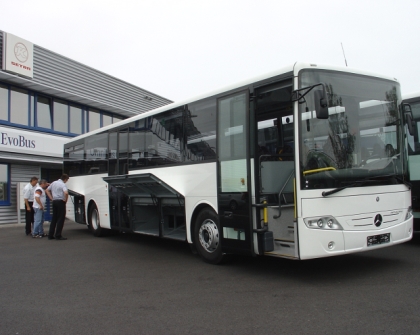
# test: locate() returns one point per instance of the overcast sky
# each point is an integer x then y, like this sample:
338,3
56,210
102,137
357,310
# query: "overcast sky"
181,48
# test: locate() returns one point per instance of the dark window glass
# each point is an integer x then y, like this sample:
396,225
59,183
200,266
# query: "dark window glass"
4,184
137,153
96,152
43,112
19,106
61,117
94,120
123,151
200,128
113,145
74,160
75,120
4,102
232,121
164,138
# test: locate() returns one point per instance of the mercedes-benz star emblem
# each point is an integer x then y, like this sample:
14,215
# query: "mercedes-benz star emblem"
378,220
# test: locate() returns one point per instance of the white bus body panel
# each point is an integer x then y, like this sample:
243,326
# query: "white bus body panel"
367,202
196,182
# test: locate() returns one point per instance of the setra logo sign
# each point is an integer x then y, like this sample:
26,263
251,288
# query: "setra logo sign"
21,52
18,55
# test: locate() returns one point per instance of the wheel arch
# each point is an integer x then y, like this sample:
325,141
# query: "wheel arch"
194,216
89,206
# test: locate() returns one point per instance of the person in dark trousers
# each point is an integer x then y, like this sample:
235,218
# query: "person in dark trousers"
28,196
58,193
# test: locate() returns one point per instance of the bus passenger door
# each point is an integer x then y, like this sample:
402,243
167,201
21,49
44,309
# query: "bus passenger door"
234,173
275,170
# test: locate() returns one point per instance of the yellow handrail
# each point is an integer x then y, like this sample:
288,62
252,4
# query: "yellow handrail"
330,168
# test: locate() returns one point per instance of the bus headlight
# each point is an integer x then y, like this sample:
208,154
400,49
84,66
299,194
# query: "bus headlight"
409,213
324,222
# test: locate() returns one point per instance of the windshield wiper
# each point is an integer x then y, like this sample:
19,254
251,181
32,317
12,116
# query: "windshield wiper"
367,179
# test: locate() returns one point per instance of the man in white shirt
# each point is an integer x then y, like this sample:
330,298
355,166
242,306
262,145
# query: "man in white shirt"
39,207
58,193
28,195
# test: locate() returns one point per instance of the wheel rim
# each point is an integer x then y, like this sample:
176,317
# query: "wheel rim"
94,219
208,236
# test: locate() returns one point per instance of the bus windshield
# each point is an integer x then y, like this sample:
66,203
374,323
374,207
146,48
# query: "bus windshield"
360,144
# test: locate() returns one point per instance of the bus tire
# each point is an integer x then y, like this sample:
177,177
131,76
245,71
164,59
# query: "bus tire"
94,222
207,236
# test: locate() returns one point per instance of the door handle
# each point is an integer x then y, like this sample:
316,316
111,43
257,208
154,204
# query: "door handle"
228,214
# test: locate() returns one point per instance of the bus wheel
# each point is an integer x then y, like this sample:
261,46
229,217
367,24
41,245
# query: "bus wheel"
207,236
94,223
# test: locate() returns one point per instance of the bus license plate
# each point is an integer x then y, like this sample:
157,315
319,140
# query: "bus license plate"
378,239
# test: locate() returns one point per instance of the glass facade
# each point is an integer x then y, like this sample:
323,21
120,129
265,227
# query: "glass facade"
94,121
106,120
43,112
4,184
19,106
28,109
61,116
4,106
76,117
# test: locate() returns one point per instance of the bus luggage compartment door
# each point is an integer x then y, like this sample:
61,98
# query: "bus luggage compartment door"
79,207
155,208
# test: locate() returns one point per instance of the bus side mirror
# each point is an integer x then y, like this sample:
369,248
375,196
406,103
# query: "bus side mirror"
321,103
409,119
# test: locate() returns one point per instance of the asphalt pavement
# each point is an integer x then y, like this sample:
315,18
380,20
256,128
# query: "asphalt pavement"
133,284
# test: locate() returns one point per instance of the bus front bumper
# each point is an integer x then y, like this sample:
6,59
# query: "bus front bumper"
314,243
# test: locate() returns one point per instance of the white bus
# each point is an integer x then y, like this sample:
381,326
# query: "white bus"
413,141
301,163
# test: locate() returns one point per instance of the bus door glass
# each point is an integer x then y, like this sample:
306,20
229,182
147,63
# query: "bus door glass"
118,165
233,172
275,170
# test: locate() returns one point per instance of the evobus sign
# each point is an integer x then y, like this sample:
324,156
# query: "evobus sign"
17,55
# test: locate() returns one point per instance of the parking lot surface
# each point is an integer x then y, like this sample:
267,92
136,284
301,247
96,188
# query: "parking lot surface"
132,284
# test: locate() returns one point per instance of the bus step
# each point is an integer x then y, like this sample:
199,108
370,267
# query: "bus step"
276,254
284,248
283,240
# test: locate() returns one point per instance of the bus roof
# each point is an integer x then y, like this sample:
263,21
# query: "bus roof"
411,96
295,69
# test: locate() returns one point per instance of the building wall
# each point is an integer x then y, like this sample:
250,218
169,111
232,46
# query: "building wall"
19,173
65,81
72,78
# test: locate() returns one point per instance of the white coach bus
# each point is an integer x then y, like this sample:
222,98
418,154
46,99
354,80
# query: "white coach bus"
305,162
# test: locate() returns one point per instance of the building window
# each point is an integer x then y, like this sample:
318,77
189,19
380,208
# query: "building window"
4,185
94,120
4,103
61,116
106,120
31,110
116,119
43,112
76,120
19,106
